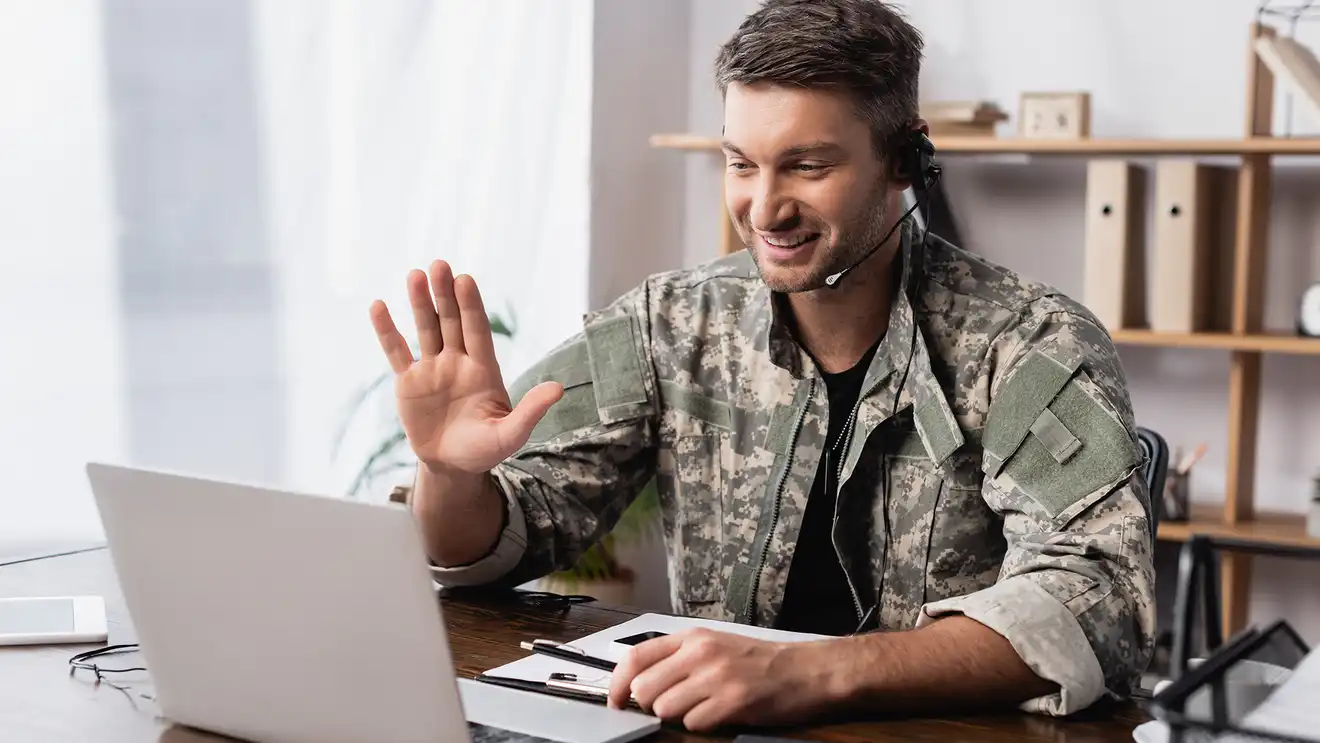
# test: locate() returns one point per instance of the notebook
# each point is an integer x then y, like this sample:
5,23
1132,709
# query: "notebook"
603,644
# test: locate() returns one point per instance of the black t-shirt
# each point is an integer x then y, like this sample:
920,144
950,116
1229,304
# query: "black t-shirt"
817,598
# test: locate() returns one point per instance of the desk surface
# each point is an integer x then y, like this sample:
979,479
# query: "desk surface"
40,701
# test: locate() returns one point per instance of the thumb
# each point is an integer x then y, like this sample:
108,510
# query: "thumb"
518,424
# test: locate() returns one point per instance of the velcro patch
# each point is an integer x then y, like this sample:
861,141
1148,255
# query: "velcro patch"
616,370
697,405
784,418
1103,451
1019,403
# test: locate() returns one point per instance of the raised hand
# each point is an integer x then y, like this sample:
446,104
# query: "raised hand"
452,400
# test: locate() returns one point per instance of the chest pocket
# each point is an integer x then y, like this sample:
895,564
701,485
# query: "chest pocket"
696,463
940,538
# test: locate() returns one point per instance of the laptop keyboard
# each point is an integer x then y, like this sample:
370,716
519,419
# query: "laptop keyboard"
485,734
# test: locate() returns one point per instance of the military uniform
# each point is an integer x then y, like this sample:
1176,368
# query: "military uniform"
990,467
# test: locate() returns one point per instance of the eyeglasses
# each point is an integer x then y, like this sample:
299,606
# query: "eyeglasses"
519,597
81,660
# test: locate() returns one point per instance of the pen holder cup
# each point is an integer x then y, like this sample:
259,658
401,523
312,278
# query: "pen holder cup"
1176,496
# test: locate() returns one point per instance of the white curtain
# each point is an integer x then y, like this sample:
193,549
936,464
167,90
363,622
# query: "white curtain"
59,326
202,197
404,131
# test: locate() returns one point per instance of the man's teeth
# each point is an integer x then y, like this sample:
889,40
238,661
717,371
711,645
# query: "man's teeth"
793,243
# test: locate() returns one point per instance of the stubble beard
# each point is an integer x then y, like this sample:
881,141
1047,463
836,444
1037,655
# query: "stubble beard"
853,242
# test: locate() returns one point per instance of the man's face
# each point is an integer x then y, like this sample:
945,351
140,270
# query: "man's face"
802,183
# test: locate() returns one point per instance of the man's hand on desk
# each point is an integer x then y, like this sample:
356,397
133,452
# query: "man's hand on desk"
710,679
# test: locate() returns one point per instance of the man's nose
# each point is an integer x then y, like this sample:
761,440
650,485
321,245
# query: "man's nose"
772,209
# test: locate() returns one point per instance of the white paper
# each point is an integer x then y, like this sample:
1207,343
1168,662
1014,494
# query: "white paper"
601,645
1291,709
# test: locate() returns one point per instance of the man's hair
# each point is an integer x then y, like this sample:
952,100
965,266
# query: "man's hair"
862,47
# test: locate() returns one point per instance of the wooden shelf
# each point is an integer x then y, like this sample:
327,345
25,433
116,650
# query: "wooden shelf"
1266,528
1018,146
1280,342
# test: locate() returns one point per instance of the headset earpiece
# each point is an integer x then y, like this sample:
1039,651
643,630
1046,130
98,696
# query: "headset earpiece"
919,166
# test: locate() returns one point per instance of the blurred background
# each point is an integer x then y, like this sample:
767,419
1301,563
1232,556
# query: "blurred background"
200,198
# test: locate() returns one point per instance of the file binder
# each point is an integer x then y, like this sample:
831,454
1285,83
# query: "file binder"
1115,283
1192,261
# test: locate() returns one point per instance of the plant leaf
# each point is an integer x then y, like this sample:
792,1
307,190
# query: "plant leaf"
358,401
395,438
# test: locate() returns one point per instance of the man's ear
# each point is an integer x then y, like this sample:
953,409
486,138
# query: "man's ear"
905,159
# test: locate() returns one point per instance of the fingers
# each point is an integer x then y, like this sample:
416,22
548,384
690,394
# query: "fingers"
477,337
708,713
639,658
516,427
424,317
678,700
666,689
391,341
446,306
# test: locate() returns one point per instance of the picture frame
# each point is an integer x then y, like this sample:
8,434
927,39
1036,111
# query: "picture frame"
1055,115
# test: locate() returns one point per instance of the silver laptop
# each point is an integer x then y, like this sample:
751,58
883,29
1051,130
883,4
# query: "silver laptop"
277,616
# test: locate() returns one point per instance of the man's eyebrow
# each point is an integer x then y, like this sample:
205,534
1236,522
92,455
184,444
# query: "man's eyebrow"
809,148
795,151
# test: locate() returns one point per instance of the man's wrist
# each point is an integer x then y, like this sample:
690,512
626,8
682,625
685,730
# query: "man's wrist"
828,671
445,497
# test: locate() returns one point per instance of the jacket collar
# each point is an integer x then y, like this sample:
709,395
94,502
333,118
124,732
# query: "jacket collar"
910,357
903,352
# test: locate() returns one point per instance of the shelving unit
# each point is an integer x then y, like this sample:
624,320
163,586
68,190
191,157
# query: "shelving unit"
1246,341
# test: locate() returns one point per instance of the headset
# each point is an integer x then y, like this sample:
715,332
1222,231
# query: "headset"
917,165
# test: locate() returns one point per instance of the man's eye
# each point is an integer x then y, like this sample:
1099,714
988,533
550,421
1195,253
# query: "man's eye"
808,167
739,165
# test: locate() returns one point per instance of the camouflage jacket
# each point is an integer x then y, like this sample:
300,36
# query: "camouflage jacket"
992,468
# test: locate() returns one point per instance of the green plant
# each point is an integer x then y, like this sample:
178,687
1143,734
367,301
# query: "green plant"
640,521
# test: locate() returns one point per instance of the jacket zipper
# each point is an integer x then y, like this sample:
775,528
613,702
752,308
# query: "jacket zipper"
846,440
750,609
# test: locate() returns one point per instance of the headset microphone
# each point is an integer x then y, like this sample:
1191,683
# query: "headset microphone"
919,164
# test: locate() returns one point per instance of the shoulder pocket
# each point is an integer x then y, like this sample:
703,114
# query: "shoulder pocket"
601,370
616,363
1050,434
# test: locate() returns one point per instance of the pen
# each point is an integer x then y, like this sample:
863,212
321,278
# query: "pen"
568,653
568,689
1186,464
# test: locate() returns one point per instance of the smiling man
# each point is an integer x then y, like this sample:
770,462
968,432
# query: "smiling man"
856,430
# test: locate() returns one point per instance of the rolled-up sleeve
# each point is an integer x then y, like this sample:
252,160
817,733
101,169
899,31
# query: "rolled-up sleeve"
1075,594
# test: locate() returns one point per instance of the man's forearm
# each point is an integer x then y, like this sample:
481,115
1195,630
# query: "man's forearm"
954,663
461,515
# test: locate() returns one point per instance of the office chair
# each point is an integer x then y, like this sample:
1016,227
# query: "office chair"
1156,453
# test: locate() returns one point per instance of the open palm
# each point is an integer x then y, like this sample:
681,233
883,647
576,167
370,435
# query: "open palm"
452,400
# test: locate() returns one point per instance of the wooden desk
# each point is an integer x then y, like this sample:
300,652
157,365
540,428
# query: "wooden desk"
40,702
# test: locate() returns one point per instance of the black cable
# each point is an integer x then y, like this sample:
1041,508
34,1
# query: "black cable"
80,660
34,558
